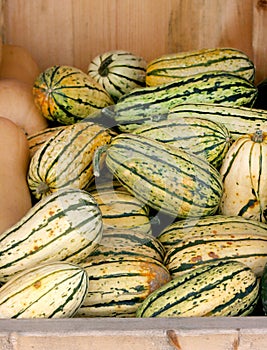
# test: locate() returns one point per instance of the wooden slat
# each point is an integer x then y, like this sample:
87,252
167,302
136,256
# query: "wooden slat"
259,38
44,27
74,31
208,23
150,334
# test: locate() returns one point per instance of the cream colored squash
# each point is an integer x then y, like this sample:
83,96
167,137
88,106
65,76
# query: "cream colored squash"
16,104
244,175
15,199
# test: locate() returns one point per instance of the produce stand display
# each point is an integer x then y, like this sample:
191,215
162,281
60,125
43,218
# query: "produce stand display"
68,32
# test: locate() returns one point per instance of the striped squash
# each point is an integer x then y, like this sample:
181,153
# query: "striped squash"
129,242
121,210
203,137
66,159
170,67
66,95
65,225
225,288
118,72
239,120
119,284
217,224
194,251
165,178
146,104
244,175
51,290
36,140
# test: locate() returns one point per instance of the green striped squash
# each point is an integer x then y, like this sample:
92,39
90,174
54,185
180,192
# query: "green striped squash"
65,225
244,175
118,72
37,139
129,242
225,288
169,67
203,137
217,224
167,179
239,120
146,104
66,159
121,210
66,95
194,251
51,290
119,284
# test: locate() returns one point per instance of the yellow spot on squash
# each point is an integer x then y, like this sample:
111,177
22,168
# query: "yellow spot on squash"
37,284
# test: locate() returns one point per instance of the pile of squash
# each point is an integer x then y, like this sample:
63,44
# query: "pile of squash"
133,189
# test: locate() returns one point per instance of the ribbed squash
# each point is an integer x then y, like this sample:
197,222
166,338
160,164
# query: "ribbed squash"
149,103
167,179
192,252
244,176
118,71
239,120
66,159
225,288
170,67
119,284
51,290
205,138
180,230
66,94
121,210
65,226
37,139
129,242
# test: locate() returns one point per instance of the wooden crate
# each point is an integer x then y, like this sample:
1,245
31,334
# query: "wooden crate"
135,334
73,32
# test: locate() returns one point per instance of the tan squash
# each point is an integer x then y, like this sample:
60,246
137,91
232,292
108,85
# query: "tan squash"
244,176
1,47
16,104
18,63
15,199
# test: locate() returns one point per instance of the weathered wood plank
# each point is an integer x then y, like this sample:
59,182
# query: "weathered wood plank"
74,31
259,38
239,333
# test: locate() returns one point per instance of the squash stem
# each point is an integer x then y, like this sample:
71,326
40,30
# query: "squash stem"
43,188
96,159
258,136
103,70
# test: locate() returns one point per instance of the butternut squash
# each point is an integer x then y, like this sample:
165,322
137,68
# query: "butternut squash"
18,63
15,199
1,48
16,104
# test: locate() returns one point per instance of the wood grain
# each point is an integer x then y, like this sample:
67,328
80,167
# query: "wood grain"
74,31
259,38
